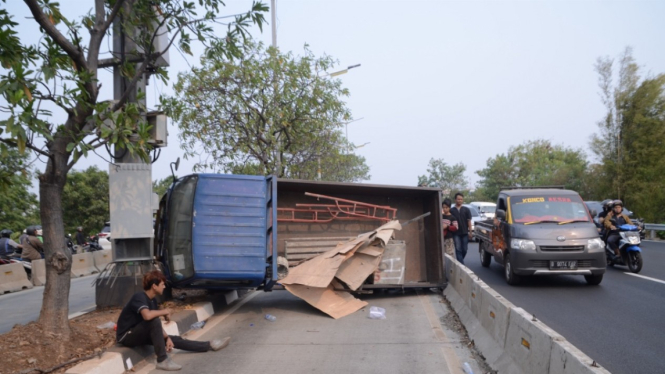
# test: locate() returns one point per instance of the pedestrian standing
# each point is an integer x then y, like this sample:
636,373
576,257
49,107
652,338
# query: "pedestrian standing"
449,227
463,234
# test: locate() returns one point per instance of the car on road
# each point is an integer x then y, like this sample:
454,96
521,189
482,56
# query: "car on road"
486,209
105,236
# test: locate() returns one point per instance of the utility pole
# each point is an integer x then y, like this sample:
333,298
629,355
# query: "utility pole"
278,140
131,199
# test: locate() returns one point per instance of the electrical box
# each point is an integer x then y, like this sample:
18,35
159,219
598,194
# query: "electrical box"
159,131
131,207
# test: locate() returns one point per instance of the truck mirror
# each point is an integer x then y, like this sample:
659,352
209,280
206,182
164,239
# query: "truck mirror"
500,213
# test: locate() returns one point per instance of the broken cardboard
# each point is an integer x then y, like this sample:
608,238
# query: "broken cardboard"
336,304
355,270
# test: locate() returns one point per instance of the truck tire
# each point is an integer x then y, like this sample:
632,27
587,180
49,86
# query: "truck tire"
511,278
485,258
593,280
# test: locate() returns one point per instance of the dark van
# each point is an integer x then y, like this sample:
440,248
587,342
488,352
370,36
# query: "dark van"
542,232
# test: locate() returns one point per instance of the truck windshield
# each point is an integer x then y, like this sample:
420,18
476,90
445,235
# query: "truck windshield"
487,209
179,231
548,208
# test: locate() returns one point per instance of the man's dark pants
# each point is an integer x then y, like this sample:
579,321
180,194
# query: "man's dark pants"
461,246
151,333
613,240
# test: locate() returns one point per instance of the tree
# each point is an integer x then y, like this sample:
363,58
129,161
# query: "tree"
449,178
162,185
643,149
57,77
18,206
267,106
607,144
85,200
534,163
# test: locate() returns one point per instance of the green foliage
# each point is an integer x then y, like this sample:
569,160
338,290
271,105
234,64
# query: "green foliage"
449,178
245,114
162,185
629,144
18,206
534,163
85,200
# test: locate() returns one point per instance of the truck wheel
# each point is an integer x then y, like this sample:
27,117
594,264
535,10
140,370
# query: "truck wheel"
511,278
593,280
485,258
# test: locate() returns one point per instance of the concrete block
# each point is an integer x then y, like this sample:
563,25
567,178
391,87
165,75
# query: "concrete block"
102,258
495,314
567,359
83,264
13,278
171,328
203,310
451,273
475,297
448,262
465,278
529,343
39,272
109,363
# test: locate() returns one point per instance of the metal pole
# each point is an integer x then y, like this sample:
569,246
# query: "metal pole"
278,141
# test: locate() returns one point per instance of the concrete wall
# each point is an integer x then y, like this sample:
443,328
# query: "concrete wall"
512,340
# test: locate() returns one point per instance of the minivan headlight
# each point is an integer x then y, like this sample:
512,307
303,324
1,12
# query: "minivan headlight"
595,244
523,244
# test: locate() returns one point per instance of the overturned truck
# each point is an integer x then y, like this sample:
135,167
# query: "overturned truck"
218,231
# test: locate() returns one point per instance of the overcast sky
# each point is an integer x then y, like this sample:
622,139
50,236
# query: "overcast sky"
462,81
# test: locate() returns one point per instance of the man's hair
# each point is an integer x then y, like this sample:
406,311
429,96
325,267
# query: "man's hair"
154,277
447,202
458,194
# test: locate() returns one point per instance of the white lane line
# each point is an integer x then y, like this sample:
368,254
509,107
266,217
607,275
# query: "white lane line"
644,277
83,311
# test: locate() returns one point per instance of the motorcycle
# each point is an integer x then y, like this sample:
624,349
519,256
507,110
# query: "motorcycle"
630,252
92,245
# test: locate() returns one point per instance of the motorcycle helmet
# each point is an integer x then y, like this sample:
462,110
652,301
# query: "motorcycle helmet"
6,233
617,202
607,204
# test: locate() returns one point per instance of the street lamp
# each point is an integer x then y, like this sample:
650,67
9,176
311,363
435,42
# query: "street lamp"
343,71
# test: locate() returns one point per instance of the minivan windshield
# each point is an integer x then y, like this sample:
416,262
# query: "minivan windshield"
487,209
548,208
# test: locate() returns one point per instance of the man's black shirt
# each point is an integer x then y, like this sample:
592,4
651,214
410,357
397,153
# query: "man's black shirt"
463,217
131,313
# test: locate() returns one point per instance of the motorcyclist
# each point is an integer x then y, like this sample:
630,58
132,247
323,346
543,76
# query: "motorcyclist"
7,245
613,220
33,248
607,207
80,238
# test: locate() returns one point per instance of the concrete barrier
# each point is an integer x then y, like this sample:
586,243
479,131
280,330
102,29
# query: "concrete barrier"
567,359
83,264
102,258
510,339
13,278
39,272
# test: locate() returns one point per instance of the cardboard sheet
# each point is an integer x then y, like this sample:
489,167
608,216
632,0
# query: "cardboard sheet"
317,272
355,271
336,304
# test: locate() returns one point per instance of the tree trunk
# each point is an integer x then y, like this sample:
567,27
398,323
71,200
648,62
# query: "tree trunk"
55,305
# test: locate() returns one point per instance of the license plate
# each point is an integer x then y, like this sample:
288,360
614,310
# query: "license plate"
566,265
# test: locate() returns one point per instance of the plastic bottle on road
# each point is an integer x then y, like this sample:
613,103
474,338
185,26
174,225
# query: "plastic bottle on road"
271,318
467,368
197,325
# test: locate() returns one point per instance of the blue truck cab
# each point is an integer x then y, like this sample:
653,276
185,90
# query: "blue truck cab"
216,231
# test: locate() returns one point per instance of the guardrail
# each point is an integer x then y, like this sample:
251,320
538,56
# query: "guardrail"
654,226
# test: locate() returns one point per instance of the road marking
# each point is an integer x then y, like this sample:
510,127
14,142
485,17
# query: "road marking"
645,277
194,335
448,353
85,310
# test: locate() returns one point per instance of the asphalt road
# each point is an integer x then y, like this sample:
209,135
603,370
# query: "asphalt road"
619,323
412,339
24,306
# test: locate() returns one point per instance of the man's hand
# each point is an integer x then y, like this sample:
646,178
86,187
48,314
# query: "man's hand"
169,344
470,235
167,316
613,227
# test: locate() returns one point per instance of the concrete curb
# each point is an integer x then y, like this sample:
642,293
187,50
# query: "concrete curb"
511,339
118,359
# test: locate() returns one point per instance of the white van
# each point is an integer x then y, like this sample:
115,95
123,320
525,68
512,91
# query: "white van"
486,209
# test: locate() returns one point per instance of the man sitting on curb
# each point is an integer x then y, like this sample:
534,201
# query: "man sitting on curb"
139,324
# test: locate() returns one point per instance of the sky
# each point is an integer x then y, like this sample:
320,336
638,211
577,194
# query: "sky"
458,80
